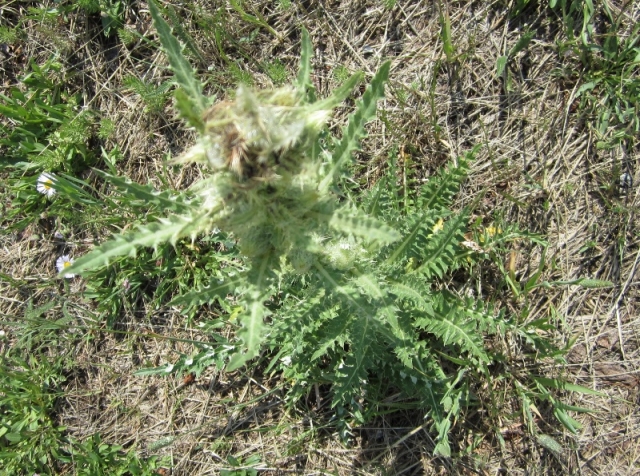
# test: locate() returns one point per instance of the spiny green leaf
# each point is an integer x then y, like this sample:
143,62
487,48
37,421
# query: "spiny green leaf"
330,333
163,200
339,95
365,111
441,188
419,298
185,75
251,333
214,290
167,230
452,326
420,222
440,252
304,74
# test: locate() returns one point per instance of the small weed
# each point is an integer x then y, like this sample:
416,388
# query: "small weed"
277,72
610,89
154,97
240,75
47,130
341,74
106,129
241,467
9,35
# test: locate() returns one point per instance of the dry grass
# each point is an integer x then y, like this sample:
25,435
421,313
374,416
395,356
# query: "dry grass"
537,164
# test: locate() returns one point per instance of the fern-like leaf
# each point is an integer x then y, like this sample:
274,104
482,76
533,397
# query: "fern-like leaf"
452,326
418,296
439,190
352,372
438,255
413,241
335,331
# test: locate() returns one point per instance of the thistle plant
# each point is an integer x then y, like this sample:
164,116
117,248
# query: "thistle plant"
337,290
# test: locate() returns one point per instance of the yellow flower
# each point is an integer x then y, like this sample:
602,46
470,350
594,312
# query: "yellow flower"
492,230
438,226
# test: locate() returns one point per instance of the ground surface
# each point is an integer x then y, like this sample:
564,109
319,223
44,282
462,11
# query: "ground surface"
537,164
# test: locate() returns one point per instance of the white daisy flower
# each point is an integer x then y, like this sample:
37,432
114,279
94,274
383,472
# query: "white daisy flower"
63,263
45,184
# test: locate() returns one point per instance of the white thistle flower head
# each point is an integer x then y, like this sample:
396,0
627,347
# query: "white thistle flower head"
63,263
45,184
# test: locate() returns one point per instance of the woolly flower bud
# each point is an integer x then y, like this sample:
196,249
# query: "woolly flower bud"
341,255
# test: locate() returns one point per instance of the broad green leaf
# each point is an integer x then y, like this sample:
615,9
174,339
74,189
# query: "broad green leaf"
501,63
568,422
445,34
161,443
594,283
562,385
